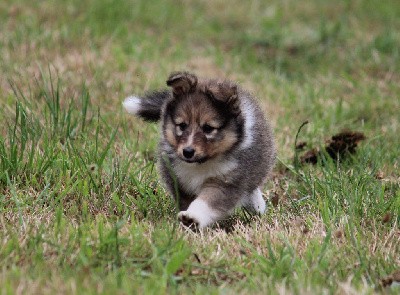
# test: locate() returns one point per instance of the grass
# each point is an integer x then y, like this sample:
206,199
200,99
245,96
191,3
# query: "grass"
81,206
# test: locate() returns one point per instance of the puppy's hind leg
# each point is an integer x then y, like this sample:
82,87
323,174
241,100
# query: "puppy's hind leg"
255,202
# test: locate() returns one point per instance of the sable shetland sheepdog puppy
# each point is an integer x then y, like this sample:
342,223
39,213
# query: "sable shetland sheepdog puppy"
216,147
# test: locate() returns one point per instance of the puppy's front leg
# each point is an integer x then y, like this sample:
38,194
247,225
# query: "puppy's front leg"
212,204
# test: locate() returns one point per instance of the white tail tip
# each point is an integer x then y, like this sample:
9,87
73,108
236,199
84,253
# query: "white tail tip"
132,104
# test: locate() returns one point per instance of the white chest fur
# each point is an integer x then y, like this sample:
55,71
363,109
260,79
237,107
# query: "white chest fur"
192,175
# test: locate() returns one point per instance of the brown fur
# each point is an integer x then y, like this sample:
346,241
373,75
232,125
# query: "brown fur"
197,111
216,149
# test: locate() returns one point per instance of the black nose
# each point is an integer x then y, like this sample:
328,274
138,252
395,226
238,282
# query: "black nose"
188,152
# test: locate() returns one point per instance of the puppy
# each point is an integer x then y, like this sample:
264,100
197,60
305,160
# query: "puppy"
216,147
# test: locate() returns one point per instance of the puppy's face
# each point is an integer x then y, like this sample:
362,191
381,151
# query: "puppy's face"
198,125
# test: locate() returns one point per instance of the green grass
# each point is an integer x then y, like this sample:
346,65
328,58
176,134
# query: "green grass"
82,209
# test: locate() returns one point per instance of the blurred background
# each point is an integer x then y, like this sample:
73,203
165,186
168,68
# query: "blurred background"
307,59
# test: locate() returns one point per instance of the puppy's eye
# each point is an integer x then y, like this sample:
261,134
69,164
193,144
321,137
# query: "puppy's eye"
182,126
208,129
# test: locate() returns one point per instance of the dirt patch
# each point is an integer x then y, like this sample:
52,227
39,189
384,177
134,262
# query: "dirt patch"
310,156
338,147
344,143
393,279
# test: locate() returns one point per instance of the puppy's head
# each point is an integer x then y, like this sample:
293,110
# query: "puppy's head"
203,118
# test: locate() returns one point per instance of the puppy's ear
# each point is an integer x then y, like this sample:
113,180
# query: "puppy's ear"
182,82
226,93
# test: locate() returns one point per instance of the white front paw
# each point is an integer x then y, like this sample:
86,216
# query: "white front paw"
198,215
187,220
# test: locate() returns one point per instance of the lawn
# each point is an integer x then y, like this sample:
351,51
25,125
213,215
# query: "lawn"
82,209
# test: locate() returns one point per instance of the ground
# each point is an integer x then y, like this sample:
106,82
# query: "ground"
82,209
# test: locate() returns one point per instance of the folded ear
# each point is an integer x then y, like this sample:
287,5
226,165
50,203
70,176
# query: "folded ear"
226,93
182,82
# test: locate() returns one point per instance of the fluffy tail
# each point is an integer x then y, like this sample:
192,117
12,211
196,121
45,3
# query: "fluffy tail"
147,107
